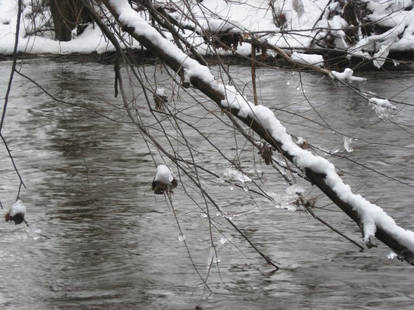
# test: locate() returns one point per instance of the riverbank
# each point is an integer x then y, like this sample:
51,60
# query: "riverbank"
363,34
401,61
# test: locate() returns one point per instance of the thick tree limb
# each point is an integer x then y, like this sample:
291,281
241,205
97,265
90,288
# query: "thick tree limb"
404,247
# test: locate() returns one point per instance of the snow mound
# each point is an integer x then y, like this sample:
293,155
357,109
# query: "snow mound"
164,175
308,59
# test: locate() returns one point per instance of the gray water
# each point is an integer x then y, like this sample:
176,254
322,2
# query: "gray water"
99,238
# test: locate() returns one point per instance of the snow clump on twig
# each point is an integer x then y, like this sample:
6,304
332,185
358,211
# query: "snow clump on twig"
308,59
164,181
16,213
346,76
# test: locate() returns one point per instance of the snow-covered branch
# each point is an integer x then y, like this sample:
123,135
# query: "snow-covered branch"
372,219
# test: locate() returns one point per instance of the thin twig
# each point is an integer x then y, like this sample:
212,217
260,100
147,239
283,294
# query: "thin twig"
14,165
253,67
305,204
16,43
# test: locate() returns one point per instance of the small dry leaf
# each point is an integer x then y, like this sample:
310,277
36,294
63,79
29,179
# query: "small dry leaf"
266,152
304,145
160,101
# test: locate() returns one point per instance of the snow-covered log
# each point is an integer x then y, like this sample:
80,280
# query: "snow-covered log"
371,218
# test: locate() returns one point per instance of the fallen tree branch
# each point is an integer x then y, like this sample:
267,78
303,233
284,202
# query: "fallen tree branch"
371,218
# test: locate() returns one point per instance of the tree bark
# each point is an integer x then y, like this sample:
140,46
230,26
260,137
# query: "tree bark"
67,14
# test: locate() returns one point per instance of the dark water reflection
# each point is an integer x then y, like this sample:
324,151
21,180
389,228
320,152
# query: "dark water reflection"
99,239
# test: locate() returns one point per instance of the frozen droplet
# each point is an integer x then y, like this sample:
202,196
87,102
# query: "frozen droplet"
212,259
181,237
231,188
203,215
392,255
245,188
347,144
222,240
232,174
286,206
219,214
289,207
288,83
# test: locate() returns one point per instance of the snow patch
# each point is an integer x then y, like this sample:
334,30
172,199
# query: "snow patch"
392,255
16,208
308,59
164,175
346,76
160,92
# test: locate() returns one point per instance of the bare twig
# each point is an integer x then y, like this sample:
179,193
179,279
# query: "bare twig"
16,43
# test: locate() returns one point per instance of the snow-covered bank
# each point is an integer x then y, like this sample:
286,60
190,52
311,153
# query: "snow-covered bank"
91,40
370,29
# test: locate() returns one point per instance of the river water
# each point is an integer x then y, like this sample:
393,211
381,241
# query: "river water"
100,239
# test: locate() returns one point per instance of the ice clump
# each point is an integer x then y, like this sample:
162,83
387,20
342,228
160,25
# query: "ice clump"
234,175
347,144
381,107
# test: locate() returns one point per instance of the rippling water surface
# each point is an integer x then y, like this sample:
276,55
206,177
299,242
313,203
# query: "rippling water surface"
99,239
